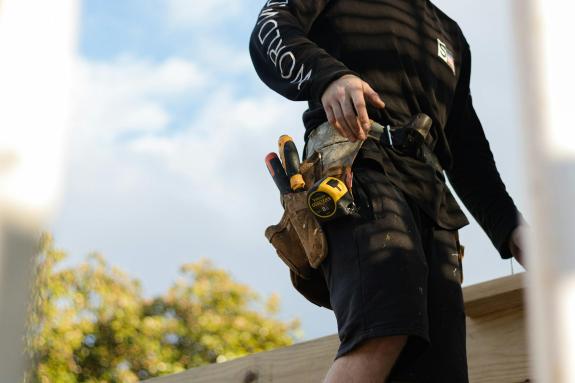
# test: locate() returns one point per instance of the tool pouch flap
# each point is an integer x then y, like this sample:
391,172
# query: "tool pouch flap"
287,244
298,238
308,229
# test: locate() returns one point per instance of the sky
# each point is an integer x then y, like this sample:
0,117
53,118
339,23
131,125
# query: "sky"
165,161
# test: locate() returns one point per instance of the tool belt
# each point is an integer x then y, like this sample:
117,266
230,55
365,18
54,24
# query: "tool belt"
298,238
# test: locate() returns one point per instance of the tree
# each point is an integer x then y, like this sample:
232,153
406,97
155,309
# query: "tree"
90,323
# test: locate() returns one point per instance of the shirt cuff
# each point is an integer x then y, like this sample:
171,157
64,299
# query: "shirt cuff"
322,81
503,232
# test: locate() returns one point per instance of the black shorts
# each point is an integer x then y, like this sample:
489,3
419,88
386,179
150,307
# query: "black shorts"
392,271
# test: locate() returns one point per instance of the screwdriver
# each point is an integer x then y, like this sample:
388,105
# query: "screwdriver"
278,173
291,163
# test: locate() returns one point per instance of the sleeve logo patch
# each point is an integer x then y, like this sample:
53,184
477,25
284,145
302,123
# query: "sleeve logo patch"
446,55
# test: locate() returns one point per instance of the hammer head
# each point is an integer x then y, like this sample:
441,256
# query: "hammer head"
421,123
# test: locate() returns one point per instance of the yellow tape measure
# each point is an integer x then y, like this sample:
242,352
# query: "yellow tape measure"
329,198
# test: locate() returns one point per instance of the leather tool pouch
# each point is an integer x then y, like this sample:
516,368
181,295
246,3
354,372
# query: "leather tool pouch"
298,239
300,242
284,238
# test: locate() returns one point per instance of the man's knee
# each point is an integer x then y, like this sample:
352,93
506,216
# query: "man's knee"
370,361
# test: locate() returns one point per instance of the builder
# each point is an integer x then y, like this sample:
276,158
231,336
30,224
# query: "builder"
394,272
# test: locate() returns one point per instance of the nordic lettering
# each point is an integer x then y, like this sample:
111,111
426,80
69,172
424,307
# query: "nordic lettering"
268,30
281,3
300,78
274,52
269,35
266,14
291,61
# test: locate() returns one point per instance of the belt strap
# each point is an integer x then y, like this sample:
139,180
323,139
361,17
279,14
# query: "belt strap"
337,151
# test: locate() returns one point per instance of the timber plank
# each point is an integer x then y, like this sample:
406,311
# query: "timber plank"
305,362
496,347
495,295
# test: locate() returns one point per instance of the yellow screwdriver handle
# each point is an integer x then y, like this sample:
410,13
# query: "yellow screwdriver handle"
290,161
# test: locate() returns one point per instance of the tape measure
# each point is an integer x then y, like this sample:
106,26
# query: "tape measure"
330,198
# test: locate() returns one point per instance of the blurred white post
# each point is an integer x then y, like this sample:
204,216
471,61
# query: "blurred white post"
545,32
37,60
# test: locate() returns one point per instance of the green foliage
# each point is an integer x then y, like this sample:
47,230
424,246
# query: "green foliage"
90,323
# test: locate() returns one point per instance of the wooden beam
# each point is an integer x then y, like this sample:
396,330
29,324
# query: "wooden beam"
303,362
495,344
496,295
496,347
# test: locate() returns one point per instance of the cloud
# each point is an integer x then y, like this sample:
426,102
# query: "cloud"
221,150
185,13
140,121
223,59
130,95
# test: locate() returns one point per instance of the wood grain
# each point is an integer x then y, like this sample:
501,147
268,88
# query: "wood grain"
496,347
495,295
303,362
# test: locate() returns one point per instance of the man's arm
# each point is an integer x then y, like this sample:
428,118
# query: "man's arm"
283,55
474,175
295,67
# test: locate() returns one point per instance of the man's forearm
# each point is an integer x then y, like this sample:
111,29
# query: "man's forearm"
283,55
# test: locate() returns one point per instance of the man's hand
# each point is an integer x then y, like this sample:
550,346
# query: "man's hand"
344,103
516,243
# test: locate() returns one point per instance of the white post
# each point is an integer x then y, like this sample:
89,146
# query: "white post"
545,33
37,59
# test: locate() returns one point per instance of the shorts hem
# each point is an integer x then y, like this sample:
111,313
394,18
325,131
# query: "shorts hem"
346,347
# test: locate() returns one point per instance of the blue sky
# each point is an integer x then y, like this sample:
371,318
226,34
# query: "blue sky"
165,161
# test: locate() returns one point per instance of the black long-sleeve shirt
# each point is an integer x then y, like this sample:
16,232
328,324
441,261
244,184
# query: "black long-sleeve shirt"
417,59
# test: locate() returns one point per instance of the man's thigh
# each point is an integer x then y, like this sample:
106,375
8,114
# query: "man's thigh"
375,269
445,360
